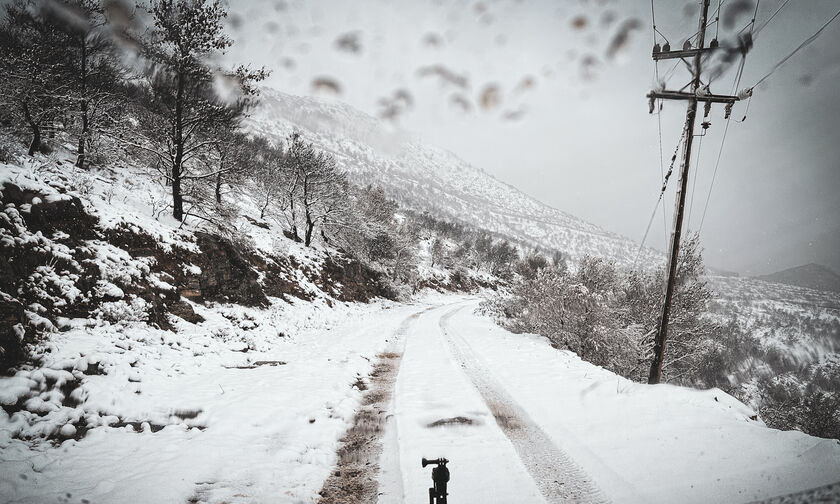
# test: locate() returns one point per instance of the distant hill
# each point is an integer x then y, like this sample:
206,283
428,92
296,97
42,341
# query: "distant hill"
423,178
812,276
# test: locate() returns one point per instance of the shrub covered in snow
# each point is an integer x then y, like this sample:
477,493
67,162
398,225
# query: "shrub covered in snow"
609,317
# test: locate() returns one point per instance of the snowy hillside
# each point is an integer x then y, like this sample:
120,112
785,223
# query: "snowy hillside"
812,276
802,324
425,178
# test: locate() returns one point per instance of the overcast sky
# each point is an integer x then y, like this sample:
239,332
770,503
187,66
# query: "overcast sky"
542,95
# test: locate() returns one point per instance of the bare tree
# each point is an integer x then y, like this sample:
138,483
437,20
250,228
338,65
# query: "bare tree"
31,64
269,173
317,187
183,88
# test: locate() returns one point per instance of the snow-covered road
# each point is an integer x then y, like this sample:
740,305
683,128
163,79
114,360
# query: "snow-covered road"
519,420
447,404
523,422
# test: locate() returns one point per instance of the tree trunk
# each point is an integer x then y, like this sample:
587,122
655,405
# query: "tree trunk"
310,227
177,198
295,234
219,190
80,158
265,206
36,130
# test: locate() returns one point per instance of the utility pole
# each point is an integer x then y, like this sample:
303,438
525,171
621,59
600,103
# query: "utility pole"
693,97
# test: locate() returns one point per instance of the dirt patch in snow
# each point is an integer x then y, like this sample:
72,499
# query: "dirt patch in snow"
257,364
458,420
355,479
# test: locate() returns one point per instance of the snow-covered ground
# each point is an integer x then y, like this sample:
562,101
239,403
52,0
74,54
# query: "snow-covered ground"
232,431
194,416
612,439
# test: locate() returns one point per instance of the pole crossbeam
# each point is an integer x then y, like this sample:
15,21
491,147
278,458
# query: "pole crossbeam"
682,54
680,95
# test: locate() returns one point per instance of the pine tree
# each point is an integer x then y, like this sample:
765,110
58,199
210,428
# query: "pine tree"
184,99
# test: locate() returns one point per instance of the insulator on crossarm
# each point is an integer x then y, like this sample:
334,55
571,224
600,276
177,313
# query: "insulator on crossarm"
728,110
651,104
714,44
656,48
666,47
707,109
687,45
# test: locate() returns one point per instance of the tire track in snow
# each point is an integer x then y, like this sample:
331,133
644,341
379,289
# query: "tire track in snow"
355,478
556,475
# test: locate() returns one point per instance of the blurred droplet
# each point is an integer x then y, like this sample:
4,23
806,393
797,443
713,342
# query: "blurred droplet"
607,18
390,108
432,40
66,14
288,63
446,75
690,10
490,97
460,101
349,42
403,96
580,22
514,115
622,36
326,84
271,27
525,84
588,64
235,22
226,87
733,12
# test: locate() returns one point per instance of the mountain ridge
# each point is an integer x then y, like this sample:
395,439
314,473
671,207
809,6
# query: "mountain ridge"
811,275
426,178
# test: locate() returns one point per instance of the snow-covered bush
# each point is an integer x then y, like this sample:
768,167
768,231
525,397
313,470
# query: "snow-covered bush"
575,310
133,310
610,317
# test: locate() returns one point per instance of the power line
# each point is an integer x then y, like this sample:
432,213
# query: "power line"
659,199
714,174
662,174
735,84
764,25
798,48
694,182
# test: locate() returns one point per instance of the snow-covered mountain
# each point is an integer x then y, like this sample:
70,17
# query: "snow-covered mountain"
425,178
812,276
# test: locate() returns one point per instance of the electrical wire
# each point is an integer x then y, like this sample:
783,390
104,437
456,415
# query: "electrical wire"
659,199
659,118
737,82
805,43
694,182
714,174
764,25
